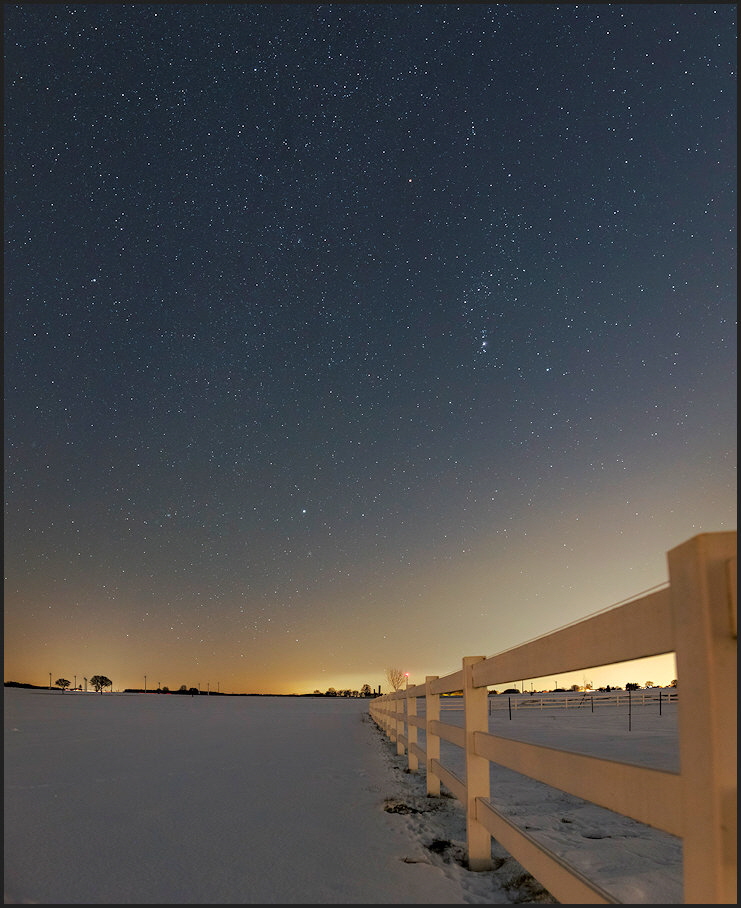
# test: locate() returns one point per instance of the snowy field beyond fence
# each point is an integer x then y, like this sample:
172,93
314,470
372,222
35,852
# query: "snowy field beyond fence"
633,862
147,799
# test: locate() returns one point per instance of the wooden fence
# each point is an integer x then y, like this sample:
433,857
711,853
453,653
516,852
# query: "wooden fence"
695,617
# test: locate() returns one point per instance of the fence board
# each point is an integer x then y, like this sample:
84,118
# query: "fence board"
651,796
564,882
633,631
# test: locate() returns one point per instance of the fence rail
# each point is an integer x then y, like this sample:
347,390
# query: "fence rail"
695,617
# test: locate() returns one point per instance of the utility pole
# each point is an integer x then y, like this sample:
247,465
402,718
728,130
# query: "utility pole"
49,680
75,682
145,684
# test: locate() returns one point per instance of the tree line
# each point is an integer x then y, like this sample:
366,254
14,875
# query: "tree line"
97,682
365,691
100,682
395,677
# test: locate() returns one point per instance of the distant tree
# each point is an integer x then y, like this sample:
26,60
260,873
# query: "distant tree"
317,692
165,690
649,684
100,681
365,690
62,682
395,677
331,692
674,683
183,689
574,687
632,685
193,691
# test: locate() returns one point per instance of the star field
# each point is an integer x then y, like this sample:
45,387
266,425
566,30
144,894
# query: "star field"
340,336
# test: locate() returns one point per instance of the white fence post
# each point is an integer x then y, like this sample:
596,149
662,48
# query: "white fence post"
399,710
391,718
432,741
705,635
476,718
413,761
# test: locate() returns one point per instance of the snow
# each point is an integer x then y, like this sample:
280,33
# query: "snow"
157,799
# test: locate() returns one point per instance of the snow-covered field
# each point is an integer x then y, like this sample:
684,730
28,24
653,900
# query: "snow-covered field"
635,863
147,799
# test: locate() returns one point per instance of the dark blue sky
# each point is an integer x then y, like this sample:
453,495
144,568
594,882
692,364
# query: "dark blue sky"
340,336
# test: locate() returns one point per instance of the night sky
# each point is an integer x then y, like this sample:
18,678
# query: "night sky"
341,337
